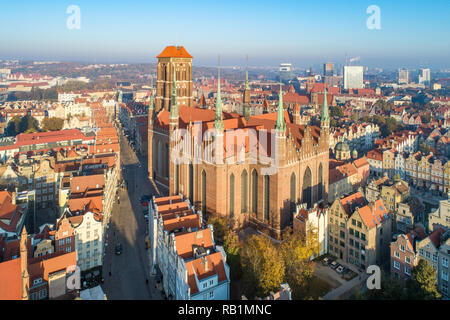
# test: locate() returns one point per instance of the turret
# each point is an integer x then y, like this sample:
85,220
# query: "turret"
218,122
325,118
25,277
281,124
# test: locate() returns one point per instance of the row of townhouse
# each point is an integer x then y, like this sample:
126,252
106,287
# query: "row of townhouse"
425,171
42,142
192,266
402,141
358,136
415,243
409,248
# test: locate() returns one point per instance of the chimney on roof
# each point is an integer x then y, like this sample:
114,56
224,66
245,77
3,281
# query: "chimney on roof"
205,263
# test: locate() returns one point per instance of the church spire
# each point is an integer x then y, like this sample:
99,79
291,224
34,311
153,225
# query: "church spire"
218,123
247,87
325,119
281,124
174,100
246,96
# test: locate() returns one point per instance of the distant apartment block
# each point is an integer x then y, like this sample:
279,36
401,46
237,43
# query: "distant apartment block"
353,77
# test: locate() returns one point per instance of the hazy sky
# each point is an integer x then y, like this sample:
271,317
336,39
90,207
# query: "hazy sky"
413,33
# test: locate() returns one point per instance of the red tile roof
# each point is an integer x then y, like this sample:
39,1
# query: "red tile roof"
10,280
215,266
174,52
46,265
374,214
185,242
356,199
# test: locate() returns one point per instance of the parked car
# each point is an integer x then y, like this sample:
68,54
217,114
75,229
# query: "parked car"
340,269
145,203
326,261
334,265
119,249
145,198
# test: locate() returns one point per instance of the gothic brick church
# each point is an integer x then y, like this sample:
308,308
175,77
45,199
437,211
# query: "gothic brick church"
274,163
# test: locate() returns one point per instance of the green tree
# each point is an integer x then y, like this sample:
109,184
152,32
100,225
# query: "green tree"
423,285
299,269
336,111
220,225
233,249
52,124
391,289
12,128
28,124
262,266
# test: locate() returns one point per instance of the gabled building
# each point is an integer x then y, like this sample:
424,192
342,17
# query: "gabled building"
359,232
193,267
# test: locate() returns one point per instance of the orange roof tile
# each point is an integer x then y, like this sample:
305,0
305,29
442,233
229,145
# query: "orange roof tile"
185,242
10,280
196,267
174,52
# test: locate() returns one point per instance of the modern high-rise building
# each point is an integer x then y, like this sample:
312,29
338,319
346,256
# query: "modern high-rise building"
285,72
403,76
424,77
178,58
353,77
328,69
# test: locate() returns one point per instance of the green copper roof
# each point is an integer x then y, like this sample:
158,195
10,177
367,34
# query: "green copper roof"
174,104
247,87
151,105
218,123
325,117
281,124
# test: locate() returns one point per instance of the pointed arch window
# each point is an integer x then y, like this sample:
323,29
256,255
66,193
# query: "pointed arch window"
244,191
254,191
203,192
232,196
293,196
266,198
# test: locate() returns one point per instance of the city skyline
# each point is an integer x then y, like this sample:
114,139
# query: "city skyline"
270,33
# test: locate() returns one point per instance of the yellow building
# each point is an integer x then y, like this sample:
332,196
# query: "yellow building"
394,193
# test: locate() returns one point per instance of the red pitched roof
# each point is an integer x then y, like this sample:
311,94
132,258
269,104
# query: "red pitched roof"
174,52
353,199
215,265
373,214
10,280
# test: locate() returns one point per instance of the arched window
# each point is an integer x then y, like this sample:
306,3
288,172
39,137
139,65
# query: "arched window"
166,164
254,192
293,191
203,192
320,191
154,153
191,183
232,196
266,198
160,155
177,180
244,191
307,187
